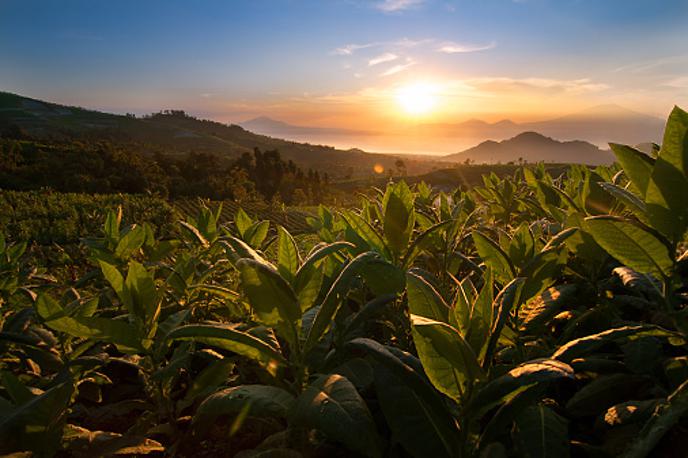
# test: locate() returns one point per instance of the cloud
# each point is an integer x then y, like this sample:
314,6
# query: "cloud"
450,47
663,62
680,83
501,84
349,49
382,58
392,6
397,68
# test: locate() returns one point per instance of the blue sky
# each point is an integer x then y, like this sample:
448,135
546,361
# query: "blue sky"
340,62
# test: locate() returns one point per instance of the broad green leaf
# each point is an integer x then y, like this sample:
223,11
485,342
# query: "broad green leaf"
462,305
262,401
82,442
605,391
308,287
518,380
668,186
581,243
636,165
665,417
416,414
522,246
641,283
212,376
37,424
539,311
112,222
288,260
424,300
366,232
257,233
501,423
542,433
493,256
195,233
630,200
322,253
560,238
383,277
398,216
335,296
19,393
332,405
508,299
242,222
237,249
130,242
226,338
447,358
124,335
216,290
140,286
597,200
629,412
116,280
419,243
632,245
584,346
541,272
272,298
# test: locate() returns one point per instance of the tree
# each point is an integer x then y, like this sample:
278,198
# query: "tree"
401,167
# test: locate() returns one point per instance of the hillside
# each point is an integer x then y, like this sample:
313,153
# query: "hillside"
177,132
533,147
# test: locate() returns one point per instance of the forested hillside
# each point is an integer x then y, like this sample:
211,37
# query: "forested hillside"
177,133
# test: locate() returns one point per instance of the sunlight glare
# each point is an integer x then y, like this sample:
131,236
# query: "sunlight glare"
417,99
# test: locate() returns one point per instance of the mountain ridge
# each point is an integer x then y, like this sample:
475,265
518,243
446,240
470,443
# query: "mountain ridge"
533,147
177,133
598,124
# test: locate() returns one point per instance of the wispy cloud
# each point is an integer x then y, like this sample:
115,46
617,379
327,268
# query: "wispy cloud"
451,47
681,82
391,6
349,49
500,84
382,58
398,68
653,64
404,43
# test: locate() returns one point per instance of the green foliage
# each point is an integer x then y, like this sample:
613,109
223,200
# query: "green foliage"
531,316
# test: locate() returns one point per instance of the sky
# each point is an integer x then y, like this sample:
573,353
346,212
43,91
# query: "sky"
348,63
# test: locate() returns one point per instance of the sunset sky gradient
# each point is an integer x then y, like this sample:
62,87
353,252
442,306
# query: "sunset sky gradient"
342,63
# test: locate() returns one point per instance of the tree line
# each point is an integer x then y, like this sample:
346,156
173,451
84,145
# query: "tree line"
106,167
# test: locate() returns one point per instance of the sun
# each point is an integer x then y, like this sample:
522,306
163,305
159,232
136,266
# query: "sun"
417,99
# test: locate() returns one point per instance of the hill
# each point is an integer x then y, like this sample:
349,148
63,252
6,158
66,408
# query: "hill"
175,132
533,147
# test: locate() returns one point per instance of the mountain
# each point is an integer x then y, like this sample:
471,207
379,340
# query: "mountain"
599,125
533,147
272,127
473,128
175,132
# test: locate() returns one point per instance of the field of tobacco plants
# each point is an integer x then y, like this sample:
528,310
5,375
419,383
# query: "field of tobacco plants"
535,316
